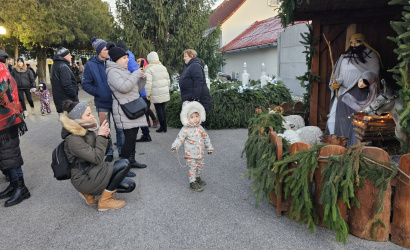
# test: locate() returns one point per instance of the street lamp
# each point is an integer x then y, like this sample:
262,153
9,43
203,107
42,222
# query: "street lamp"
2,32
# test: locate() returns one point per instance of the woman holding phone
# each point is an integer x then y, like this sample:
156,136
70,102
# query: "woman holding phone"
85,149
125,87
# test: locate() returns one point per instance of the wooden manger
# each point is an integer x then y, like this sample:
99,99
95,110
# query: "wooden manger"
373,128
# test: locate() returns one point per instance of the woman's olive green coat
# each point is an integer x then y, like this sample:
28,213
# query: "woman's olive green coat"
87,147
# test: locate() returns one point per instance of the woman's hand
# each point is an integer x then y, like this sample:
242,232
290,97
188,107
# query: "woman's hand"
104,129
142,73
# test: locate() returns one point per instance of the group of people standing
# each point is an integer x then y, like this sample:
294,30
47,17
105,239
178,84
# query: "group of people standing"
113,77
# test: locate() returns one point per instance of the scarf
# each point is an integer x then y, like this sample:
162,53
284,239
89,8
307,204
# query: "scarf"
11,122
93,126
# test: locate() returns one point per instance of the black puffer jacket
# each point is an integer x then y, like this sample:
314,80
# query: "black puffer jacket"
24,79
193,84
63,82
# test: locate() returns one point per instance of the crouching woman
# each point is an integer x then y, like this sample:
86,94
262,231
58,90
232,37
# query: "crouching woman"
90,175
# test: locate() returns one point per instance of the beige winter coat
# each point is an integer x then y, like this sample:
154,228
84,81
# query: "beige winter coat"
126,87
158,81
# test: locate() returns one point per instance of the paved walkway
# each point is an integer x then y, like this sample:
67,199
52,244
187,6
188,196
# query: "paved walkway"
162,213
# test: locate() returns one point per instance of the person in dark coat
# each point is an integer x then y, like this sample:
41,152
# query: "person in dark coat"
192,81
94,82
11,126
25,84
85,149
32,70
63,81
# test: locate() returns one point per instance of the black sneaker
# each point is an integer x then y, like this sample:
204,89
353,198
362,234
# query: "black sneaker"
109,158
144,138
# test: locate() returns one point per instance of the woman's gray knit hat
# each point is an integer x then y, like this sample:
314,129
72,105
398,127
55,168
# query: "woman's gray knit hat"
78,110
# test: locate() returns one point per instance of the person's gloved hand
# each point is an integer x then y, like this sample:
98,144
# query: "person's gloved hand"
33,90
173,149
335,86
210,152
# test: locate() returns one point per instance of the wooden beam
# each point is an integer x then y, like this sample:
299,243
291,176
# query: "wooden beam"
349,16
314,97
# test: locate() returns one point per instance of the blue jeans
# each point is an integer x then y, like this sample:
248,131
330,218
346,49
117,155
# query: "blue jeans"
118,132
14,173
145,130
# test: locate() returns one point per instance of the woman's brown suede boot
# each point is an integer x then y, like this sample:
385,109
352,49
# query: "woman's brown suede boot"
89,199
108,202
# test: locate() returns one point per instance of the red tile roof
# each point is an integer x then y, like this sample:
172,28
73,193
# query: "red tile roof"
259,33
225,10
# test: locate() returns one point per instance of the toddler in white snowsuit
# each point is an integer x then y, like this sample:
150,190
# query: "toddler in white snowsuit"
195,140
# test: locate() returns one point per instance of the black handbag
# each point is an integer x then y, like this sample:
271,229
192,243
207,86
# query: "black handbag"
134,109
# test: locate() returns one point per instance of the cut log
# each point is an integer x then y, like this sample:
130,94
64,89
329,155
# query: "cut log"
400,227
295,147
325,152
361,219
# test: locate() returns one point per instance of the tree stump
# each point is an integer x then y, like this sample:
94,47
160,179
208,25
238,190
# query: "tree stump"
324,152
400,227
361,219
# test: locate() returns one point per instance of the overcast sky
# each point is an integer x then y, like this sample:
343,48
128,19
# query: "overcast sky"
113,9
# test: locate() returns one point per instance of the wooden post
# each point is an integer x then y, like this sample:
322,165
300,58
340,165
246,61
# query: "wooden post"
274,138
314,98
400,227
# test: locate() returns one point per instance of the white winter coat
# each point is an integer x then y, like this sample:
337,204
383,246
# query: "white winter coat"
158,81
126,87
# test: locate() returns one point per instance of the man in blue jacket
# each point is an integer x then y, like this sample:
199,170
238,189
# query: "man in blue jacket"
94,82
133,66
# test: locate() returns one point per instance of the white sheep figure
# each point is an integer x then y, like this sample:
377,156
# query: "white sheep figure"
291,136
309,134
297,120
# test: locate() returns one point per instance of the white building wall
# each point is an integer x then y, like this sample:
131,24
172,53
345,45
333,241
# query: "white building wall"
250,12
254,59
291,57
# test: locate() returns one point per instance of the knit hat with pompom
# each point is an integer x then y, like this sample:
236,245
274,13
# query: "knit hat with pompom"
98,44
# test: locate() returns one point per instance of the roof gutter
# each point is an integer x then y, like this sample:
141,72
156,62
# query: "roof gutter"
253,47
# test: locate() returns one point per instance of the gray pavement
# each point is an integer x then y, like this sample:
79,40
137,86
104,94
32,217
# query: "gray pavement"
161,213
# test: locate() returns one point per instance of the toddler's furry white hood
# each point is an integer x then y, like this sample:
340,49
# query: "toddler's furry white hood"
191,107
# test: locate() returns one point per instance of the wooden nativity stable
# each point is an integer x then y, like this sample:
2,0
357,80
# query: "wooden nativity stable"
338,20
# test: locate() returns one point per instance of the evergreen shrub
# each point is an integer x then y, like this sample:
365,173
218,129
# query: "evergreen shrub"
232,104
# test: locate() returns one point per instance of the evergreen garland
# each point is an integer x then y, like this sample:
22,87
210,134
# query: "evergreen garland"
341,178
261,154
286,10
298,184
402,76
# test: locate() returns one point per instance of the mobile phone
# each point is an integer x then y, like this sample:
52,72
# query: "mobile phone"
142,64
102,116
